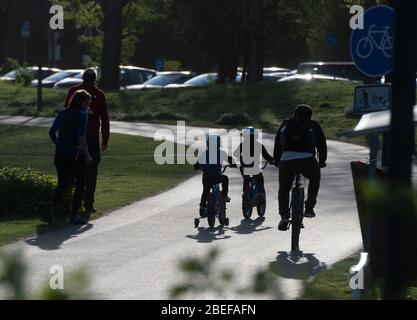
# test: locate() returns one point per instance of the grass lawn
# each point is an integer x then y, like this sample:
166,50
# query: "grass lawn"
333,284
127,173
265,104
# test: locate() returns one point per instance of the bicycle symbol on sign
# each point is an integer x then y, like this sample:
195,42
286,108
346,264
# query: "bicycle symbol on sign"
366,45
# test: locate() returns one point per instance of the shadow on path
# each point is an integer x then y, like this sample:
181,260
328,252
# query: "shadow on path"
250,226
54,240
298,266
207,235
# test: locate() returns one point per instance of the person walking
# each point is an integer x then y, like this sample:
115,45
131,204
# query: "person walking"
98,119
71,154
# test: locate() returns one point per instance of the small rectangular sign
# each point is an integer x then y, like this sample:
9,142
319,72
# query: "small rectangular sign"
372,98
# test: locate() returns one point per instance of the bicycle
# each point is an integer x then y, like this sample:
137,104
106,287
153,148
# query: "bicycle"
216,207
297,212
366,45
254,196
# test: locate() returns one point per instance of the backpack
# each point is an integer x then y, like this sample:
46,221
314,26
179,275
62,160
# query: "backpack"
298,136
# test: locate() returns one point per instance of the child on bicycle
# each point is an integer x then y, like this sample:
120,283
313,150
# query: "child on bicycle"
211,162
248,153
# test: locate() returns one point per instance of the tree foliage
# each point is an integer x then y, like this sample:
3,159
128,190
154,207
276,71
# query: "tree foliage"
88,18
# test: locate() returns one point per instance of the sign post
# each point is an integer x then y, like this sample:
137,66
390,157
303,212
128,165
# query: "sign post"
40,52
160,64
399,221
25,35
372,98
372,50
331,42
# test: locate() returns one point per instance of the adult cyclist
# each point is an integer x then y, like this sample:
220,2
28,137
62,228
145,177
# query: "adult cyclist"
297,143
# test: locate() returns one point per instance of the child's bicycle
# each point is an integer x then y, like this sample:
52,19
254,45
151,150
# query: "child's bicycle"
297,212
216,207
254,196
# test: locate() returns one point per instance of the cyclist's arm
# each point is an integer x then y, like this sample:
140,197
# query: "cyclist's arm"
228,159
201,160
266,155
278,147
321,144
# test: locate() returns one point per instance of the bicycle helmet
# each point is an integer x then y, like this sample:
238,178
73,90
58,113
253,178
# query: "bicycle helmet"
250,132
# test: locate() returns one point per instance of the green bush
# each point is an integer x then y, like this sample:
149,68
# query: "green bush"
147,116
234,119
24,75
26,192
173,65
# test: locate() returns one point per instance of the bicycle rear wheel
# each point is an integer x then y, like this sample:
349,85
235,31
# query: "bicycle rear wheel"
297,205
211,211
247,207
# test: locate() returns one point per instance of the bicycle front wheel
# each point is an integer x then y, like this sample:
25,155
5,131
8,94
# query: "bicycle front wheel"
295,236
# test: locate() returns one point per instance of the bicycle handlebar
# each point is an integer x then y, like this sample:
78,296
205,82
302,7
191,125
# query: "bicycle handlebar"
265,165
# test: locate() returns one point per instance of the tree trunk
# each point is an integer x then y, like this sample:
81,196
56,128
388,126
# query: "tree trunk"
255,49
228,40
7,30
112,44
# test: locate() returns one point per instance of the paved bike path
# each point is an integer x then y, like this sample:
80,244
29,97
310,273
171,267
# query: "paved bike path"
133,252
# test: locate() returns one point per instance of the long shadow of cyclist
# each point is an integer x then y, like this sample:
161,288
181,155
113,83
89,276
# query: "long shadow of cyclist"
250,226
296,266
207,235
53,240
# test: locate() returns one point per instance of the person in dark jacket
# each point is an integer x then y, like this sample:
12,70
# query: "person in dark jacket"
297,143
98,118
250,166
211,162
71,153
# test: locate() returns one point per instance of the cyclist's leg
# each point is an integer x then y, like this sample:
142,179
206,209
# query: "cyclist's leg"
286,179
261,182
224,180
246,181
310,169
206,191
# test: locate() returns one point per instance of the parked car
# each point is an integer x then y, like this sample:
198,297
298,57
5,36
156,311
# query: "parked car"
268,70
129,75
312,77
69,82
163,79
50,81
344,70
202,80
12,75
275,76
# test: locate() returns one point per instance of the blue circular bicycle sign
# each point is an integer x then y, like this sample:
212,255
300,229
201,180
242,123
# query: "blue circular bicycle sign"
372,48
